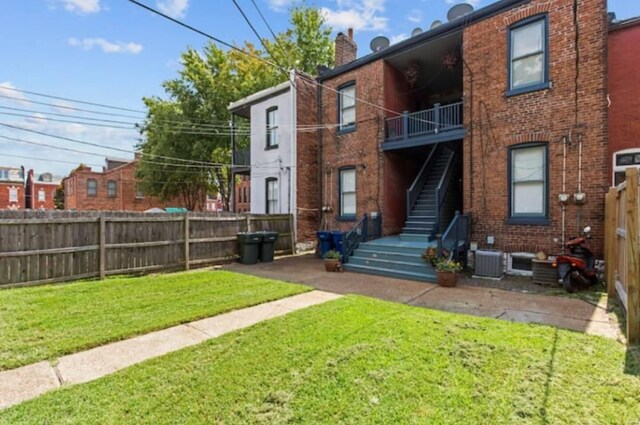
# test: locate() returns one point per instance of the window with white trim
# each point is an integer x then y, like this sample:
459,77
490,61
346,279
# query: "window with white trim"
348,192
41,195
347,106
13,194
4,174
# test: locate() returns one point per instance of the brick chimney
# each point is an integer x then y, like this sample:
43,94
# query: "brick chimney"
346,48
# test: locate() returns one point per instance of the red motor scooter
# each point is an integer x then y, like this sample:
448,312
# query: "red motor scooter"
577,269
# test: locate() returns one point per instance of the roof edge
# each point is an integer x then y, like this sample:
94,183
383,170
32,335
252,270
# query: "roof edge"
445,29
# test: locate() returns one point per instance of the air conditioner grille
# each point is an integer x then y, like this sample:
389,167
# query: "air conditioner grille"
489,263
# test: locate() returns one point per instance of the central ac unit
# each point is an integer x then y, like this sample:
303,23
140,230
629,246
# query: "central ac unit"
488,263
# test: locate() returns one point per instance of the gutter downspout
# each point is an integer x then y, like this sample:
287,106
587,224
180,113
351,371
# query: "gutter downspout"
320,164
293,205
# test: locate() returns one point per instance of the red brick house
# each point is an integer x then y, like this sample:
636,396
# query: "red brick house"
495,114
115,188
11,188
624,97
40,191
242,194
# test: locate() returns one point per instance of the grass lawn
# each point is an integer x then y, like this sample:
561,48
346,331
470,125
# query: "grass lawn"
48,321
359,360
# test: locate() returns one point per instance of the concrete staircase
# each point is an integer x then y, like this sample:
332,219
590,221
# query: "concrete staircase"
421,220
392,257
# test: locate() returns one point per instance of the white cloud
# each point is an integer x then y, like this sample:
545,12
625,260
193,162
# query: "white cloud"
18,97
174,8
415,16
106,46
279,5
398,38
81,7
362,15
473,3
36,118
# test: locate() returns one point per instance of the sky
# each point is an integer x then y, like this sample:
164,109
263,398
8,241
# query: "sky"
113,52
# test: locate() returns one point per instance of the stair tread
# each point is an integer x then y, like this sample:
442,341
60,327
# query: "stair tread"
427,276
385,261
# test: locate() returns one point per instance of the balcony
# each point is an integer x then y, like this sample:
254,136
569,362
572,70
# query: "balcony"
241,160
438,124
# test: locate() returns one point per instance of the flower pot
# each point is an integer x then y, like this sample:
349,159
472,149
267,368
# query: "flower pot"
332,265
447,279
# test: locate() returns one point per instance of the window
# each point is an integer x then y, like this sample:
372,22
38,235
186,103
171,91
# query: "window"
347,107
528,174
4,174
528,56
41,195
348,192
92,187
272,196
13,194
139,192
272,128
112,189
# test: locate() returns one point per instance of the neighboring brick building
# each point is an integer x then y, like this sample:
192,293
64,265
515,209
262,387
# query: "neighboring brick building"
11,188
281,161
503,91
113,189
40,191
624,97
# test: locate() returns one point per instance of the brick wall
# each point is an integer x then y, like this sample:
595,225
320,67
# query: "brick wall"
49,190
495,122
306,162
243,193
357,148
624,87
76,197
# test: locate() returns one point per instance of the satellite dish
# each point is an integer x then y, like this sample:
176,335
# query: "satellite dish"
416,31
379,43
459,10
435,24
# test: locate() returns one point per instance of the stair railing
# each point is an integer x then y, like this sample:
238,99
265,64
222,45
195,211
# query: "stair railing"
352,238
455,240
441,192
416,187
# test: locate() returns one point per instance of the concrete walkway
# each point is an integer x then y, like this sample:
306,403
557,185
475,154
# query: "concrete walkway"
27,382
513,305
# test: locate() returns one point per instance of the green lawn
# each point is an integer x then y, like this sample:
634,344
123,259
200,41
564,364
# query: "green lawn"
48,321
359,360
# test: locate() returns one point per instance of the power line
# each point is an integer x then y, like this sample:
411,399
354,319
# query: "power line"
101,105
304,77
13,114
62,161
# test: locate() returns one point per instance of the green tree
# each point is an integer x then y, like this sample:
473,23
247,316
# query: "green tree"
192,122
58,198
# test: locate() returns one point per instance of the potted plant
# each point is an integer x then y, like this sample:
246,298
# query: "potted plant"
332,261
446,269
447,272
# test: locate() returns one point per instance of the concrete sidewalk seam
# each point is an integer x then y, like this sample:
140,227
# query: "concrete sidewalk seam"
27,382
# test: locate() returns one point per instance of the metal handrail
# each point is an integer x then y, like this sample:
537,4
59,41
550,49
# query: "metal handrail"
458,231
433,120
441,189
418,182
353,237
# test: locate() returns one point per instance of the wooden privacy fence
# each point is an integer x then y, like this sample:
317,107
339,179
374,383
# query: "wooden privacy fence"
38,248
622,249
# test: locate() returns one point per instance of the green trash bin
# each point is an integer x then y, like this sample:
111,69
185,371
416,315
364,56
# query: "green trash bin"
268,246
249,247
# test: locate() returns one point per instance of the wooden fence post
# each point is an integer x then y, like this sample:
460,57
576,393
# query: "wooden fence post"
611,240
103,250
292,234
186,241
633,262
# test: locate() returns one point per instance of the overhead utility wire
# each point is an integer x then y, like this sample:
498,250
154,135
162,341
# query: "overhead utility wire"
71,100
304,77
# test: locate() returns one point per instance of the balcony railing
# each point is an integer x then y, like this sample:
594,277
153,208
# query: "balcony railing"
241,157
430,121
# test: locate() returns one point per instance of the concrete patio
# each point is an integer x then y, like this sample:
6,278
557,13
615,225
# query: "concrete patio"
516,300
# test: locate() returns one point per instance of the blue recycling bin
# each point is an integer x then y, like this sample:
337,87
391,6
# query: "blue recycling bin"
325,242
337,242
